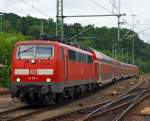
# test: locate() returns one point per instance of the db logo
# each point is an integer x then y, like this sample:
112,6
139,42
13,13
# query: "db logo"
33,72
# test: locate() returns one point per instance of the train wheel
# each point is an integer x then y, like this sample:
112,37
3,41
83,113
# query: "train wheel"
94,86
90,87
29,99
82,90
60,98
86,89
76,91
114,81
71,95
48,100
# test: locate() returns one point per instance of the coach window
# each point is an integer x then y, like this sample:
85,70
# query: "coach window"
72,55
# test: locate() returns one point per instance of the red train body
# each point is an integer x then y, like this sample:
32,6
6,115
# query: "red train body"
45,71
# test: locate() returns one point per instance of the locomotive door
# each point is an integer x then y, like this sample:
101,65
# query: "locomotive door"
66,68
65,65
62,64
96,71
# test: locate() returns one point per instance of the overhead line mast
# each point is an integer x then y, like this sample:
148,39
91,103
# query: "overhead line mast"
133,46
60,20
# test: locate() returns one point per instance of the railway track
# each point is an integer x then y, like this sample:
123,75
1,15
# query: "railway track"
117,108
25,112
21,112
11,110
128,99
4,92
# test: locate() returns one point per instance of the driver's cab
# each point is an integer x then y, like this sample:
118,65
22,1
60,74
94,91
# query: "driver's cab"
34,61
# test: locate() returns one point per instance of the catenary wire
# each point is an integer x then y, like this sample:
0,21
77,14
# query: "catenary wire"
112,3
98,4
43,13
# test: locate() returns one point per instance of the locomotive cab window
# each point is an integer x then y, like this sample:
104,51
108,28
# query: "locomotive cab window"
25,51
44,52
34,51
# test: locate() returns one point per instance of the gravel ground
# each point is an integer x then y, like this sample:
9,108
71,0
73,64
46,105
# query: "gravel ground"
141,112
3,89
136,115
99,97
6,102
107,93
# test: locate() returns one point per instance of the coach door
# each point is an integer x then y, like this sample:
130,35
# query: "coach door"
100,71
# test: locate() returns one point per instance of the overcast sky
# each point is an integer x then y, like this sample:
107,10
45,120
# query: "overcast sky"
47,9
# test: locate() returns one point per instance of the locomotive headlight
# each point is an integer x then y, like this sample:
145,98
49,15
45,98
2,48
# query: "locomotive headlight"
18,79
48,80
33,61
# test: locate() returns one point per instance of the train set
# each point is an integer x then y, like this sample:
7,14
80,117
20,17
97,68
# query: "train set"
44,72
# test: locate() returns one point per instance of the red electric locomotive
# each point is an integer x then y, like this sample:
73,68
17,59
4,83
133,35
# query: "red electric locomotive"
44,72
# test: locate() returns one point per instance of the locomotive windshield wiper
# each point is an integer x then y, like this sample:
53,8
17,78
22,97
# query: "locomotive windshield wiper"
25,50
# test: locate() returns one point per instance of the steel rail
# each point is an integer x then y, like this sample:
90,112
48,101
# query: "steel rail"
87,109
138,100
35,112
130,104
12,110
105,107
4,92
18,118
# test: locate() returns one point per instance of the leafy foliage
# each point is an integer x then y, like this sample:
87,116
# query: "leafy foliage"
7,42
